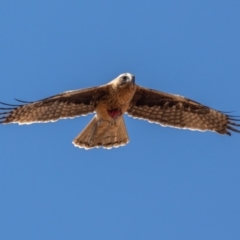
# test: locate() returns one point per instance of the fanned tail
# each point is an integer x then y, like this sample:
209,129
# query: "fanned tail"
99,133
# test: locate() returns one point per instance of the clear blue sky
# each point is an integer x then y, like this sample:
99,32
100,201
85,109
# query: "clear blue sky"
166,183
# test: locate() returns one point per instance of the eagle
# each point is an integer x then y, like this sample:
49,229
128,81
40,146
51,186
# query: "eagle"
110,102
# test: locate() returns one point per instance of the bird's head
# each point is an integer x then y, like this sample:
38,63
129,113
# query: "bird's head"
124,80
123,88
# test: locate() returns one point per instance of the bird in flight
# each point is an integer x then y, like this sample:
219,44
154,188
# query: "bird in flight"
110,102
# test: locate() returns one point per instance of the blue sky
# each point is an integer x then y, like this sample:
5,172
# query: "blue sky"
166,183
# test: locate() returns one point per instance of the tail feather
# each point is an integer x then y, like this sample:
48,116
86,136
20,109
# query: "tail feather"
99,133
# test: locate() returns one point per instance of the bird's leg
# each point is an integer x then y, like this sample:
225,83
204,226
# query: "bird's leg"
111,123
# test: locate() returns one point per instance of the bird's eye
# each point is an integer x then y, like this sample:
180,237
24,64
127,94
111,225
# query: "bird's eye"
124,78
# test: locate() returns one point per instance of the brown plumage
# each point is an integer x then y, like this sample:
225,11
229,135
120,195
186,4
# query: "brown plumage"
107,128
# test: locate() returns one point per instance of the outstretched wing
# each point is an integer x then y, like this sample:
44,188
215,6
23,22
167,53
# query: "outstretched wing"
64,105
176,111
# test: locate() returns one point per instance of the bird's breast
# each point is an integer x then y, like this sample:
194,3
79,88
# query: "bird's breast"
114,113
115,104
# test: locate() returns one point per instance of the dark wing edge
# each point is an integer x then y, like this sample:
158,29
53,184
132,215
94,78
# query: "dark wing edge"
179,112
68,104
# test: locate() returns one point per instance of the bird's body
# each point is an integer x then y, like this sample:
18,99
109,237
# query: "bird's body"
116,102
107,128
110,102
